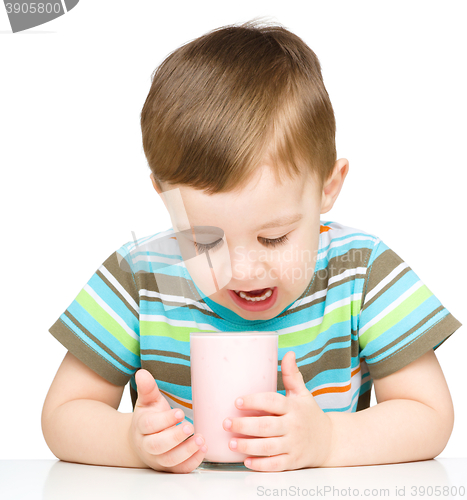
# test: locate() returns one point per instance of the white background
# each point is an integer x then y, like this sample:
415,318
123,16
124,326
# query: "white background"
74,176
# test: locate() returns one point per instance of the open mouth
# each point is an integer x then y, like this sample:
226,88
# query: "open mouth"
255,300
255,295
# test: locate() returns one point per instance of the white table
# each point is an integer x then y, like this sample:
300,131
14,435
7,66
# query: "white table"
57,480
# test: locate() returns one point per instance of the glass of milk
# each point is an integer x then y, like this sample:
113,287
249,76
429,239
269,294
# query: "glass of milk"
224,367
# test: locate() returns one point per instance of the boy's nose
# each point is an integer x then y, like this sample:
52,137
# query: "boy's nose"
250,275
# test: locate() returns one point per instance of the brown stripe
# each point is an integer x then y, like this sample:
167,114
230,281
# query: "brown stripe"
383,265
354,346
96,340
386,288
134,396
439,332
156,352
317,352
85,354
168,372
364,400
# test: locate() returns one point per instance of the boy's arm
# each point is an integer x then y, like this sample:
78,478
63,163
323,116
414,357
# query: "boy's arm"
80,421
413,419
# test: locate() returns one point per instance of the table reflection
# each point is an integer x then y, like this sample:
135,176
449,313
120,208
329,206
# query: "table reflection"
77,481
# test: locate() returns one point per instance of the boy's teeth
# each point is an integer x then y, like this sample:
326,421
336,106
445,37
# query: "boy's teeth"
267,294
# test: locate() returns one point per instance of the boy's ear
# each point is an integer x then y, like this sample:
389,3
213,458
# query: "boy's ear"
155,184
158,188
333,185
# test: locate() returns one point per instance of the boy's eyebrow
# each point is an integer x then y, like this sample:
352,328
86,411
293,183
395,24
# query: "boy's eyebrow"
281,221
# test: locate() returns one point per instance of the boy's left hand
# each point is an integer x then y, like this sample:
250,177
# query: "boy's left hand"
295,436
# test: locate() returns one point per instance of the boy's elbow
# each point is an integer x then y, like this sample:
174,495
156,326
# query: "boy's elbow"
443,429
47,427
449,426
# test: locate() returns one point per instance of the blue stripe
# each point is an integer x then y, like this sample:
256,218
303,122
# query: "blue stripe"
389,297
166,344
332,375
327,253
114,302
165,359
404,325
408,340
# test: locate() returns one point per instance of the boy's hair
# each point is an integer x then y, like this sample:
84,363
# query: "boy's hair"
223,103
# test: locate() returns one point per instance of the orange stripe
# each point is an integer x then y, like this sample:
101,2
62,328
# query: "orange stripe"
323,229
327,390
344,388
179,401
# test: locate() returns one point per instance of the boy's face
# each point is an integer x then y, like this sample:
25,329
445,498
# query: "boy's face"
286,266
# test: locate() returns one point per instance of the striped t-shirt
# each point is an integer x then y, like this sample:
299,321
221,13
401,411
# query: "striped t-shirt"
364,315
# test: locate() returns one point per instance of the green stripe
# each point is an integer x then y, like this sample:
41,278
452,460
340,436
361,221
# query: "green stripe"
107,322
163,329
182,333
398,314
339,315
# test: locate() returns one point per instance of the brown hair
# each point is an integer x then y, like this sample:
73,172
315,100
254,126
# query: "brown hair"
223,103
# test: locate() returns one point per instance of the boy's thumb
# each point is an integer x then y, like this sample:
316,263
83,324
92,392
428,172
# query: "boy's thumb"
148,392
292,378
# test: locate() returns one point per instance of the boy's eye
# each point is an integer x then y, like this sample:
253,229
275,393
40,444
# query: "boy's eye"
277,241
268,242
205,247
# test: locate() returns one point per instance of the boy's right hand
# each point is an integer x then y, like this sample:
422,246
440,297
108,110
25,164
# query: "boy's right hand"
154,435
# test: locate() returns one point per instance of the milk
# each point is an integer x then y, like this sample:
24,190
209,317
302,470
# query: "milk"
224,367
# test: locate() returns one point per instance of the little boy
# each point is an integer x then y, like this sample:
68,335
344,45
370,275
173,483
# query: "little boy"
239,134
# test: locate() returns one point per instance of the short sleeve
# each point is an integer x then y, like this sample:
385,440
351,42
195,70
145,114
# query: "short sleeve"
101,326
400,318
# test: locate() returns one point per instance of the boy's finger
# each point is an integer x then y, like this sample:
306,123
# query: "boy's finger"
185,457
292,378
151,422
171,445
191,463
148,392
